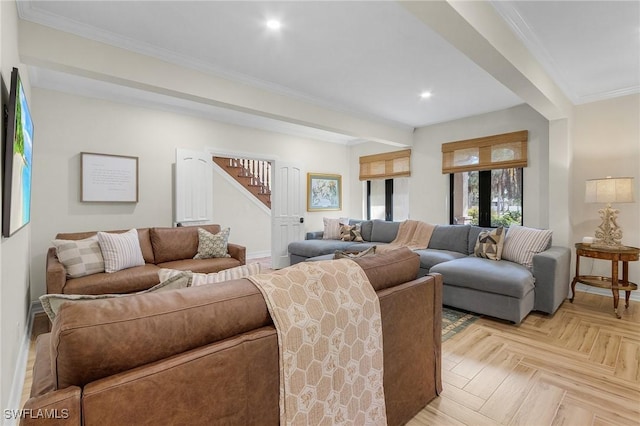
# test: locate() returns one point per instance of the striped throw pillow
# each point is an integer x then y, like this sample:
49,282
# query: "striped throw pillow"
120,251
522,243
214,277
80,257
332,227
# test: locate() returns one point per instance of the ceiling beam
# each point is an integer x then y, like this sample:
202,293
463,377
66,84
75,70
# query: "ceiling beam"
476,29
52,49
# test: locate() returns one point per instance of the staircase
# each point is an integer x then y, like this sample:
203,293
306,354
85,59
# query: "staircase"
254,175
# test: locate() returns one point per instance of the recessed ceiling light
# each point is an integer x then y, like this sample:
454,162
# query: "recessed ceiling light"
274,24
425,95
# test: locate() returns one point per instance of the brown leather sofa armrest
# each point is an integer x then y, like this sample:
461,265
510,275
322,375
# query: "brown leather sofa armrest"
43,381
238,252
56,274
61,407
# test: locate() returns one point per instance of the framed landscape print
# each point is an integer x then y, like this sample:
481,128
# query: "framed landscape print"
324,192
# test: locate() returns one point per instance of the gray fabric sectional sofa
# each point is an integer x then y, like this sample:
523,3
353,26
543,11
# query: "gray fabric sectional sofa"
500,289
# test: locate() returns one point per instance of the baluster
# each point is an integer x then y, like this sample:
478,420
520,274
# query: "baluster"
269,177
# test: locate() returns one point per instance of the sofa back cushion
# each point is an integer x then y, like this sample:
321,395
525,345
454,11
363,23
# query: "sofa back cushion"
143,237
177,243
383,231
451,237
141,329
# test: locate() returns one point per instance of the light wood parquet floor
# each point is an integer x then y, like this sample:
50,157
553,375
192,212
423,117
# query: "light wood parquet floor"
579,367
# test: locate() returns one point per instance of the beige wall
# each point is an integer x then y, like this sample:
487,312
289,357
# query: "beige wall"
14,251
68,124
606,142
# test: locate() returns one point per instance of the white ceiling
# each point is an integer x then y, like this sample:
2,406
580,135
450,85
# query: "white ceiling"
368,58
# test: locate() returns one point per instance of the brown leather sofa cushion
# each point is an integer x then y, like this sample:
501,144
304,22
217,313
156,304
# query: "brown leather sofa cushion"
125,281
202,265
99,338
144,236
177,243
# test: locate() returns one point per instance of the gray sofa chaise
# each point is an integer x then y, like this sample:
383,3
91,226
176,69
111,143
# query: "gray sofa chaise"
500,289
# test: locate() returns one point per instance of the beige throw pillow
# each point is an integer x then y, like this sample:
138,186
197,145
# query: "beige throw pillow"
351,233
212,245
489,244
80,257
51,303
120,251
215,277
354,254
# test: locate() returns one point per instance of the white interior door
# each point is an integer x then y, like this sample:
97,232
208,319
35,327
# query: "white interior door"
287,211
194,187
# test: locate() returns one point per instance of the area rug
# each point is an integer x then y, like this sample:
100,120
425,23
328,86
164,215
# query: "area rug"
454,321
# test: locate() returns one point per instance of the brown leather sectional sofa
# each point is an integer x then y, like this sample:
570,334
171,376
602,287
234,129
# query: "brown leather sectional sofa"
171,248
209,354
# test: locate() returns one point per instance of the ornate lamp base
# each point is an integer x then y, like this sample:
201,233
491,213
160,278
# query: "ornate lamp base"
608,234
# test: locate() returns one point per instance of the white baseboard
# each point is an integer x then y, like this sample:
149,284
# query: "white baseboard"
259,254
635,295
21,363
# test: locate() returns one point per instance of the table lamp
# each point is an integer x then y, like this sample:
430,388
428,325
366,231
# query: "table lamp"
609,190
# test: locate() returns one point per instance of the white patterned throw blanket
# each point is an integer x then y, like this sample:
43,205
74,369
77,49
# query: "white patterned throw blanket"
327,318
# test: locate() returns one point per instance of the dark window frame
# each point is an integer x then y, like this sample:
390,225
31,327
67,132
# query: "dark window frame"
388,200
484,198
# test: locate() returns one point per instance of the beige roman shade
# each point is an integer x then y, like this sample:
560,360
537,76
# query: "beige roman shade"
491,152
386,166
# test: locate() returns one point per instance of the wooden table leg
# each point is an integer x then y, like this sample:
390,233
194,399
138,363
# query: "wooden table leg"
575,279
614,287
625,280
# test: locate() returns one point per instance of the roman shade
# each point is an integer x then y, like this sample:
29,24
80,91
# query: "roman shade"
502,151
385,166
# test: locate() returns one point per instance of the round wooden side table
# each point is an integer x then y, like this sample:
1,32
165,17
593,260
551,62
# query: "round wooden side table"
622,254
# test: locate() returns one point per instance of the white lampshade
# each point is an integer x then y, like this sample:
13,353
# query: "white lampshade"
609,190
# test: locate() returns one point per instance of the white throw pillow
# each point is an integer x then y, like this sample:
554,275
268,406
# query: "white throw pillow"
120,251
212,245
242,271
522,243
51,303
332,227
80,257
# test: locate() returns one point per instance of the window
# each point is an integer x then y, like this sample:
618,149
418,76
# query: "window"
485,176
488,198
387,199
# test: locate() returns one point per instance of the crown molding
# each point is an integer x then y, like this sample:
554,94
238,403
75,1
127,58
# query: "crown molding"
525,33
607,95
